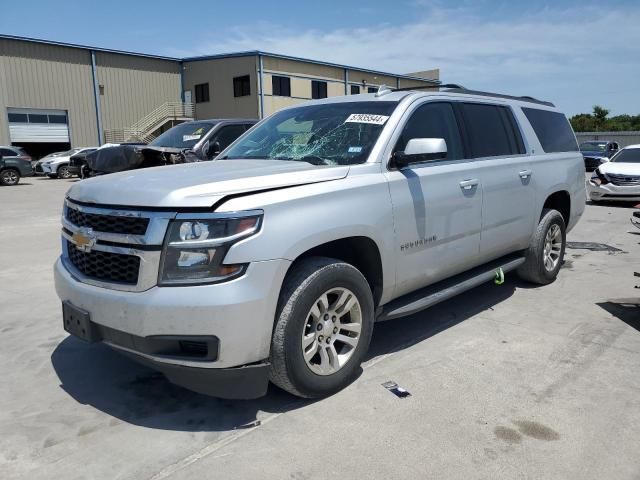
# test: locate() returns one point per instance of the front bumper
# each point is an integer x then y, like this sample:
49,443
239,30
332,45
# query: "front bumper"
47,169
613,193
239,314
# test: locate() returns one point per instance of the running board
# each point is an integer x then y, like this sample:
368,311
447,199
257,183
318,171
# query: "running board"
445,289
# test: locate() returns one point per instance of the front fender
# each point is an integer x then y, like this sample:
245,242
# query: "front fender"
301,218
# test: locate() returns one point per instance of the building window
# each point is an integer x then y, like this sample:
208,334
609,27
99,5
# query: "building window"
372,89
318,89
202,92
242,86
57,119
281,86
18,118
38,118
355,89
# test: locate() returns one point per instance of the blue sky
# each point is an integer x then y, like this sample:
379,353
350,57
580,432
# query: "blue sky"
574,53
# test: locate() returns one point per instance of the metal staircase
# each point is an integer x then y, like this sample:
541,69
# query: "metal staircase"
146,129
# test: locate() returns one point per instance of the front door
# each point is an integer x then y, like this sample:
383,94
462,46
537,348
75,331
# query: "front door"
437,205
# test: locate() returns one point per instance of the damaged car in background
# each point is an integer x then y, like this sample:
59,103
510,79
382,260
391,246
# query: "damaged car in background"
619,179
185,143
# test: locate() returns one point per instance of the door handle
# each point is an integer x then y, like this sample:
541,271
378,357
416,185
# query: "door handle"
469,184
525,174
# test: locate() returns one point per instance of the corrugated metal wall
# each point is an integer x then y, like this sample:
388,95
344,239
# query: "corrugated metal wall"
623,138
134,86
36,75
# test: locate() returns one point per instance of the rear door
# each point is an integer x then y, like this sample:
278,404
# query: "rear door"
437,205
505,172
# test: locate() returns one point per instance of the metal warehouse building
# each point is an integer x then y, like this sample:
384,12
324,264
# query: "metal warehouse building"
55,95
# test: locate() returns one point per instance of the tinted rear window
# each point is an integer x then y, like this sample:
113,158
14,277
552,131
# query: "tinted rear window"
491,130
553,130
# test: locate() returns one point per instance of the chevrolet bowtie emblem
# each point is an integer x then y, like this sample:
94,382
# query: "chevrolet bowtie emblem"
84,239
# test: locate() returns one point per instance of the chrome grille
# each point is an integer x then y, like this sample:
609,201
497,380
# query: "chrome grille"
624,180
108,223
105,266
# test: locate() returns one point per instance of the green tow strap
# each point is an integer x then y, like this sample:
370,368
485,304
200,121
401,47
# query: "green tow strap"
499,278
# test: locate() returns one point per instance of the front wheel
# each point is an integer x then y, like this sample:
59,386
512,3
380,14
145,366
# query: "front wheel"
545,255
323,328
9,177
63,172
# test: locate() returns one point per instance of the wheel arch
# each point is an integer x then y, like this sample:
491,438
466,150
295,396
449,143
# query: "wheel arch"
559,200
62,164
360,251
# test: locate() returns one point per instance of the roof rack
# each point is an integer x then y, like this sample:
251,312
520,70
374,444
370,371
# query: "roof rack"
455,88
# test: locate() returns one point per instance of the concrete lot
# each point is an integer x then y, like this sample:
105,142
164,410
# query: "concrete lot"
506,381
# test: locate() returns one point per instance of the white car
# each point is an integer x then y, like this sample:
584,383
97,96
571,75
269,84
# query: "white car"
58,166
619,179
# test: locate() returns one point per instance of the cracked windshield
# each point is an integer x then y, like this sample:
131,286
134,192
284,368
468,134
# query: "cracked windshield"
326,134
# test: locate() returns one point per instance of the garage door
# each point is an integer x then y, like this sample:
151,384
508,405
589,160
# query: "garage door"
38,126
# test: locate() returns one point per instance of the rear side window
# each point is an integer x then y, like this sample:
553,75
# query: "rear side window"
491,130
553,130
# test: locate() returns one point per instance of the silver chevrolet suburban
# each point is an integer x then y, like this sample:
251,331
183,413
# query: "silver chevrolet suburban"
273,262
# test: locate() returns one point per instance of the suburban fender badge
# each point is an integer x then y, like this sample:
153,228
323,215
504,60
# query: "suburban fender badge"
84,239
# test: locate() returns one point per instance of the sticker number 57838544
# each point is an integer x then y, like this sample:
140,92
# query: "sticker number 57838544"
366,118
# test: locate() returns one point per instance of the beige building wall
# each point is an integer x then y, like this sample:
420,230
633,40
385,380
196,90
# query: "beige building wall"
132,87
34,75
358,77
302,73
219,73
282,65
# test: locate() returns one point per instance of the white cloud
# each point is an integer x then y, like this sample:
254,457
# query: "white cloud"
575,57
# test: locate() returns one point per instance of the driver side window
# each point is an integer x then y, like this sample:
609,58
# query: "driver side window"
434,120
226,136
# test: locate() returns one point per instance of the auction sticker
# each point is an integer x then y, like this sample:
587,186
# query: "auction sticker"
367,118
186,138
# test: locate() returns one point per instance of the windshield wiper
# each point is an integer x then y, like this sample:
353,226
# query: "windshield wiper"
313,160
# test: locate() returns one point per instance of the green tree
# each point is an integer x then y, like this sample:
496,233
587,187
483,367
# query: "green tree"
600,113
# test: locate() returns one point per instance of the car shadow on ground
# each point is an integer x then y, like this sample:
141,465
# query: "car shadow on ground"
625,309
609,204
108,381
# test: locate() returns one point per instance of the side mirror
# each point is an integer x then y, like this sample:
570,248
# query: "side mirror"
214,150
201,152
420,150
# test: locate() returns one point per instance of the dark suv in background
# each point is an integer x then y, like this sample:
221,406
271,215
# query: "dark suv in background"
14,163
597,152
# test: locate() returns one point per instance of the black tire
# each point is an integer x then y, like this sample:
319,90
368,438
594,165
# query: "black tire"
304,284
63,172
533,269
9,177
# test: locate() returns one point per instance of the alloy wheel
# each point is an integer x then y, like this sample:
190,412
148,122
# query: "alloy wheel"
552,247
332,331
9,177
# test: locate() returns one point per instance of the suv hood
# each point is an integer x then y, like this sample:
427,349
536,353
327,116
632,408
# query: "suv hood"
198,184
593,153
620,168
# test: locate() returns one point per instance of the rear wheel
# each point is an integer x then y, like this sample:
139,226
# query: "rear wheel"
9,177
63,172
545,255
323,328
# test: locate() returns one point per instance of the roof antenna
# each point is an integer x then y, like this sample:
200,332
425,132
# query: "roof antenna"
383,90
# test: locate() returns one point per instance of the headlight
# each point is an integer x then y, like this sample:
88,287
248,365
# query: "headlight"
195,247
599,178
